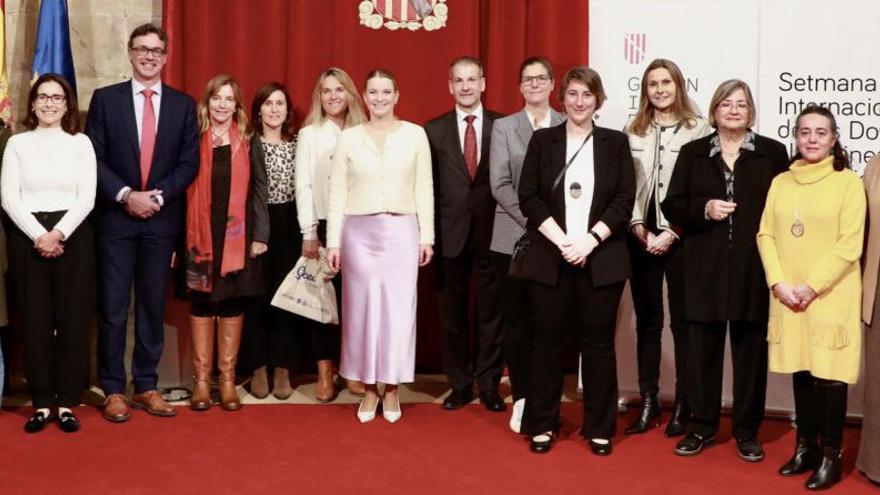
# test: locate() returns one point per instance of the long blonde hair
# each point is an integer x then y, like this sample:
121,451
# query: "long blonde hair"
353,115
681,107
239,116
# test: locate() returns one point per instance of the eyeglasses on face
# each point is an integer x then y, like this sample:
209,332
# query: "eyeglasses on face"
57,99
142,51
542,79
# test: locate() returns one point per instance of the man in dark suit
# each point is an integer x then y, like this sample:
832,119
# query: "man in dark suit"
465,211
146,141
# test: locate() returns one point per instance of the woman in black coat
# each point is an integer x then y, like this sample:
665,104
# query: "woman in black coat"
577,191
717,194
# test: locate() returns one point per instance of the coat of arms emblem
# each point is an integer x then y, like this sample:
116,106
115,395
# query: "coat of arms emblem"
429,15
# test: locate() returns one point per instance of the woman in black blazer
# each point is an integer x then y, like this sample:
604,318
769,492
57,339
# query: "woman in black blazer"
717,195
577,191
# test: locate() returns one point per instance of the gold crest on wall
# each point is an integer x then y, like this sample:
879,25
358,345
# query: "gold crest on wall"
429,15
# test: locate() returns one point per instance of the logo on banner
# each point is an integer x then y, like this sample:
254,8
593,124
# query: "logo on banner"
429,15
634,47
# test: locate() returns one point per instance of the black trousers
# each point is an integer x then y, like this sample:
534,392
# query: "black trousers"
274,337
517,325
820,408
56,299
748,348
593,313
462,366
647,292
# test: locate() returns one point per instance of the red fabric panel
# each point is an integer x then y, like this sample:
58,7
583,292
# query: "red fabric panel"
293,40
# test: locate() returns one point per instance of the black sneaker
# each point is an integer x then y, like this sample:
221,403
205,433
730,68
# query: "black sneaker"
693,444
749,450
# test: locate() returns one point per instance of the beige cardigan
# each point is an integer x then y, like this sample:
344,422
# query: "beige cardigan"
871,256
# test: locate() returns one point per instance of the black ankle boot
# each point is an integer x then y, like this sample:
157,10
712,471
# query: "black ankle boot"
829,471
649,415
805,457
681,416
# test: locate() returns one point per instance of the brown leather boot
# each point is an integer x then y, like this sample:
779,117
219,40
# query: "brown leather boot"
325,391
202,331
281,378
260,383
228,342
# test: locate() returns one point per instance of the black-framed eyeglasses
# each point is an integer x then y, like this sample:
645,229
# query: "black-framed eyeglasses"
142,51
42,98
542,79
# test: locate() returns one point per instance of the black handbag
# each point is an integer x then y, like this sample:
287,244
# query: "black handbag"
522,245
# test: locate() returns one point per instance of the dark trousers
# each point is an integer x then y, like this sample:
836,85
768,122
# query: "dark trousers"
820,408
56,301
647,292
748,349
143,258
454,282
274,337
593,312
517,326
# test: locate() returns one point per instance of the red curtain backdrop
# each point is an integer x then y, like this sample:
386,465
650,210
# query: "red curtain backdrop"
293,40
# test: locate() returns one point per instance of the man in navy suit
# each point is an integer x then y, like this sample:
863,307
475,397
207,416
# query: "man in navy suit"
465,209
146,141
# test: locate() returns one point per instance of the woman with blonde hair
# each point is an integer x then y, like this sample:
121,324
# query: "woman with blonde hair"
226,230
664,122
335,106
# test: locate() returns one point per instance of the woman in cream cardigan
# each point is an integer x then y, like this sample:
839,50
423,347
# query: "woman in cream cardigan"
810,242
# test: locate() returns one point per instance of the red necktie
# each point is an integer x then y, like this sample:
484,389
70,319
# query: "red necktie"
148,136
470,146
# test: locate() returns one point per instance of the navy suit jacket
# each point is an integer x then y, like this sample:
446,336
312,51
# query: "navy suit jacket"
112,127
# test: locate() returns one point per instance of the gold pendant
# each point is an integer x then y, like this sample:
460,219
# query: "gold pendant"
575,190
797,228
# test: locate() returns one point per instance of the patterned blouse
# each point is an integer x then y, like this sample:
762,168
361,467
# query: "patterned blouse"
280,171
729,177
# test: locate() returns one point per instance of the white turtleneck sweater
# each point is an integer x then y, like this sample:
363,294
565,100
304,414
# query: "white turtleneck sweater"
47,169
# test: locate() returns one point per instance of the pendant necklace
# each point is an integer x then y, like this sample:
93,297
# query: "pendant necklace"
797,228
218,138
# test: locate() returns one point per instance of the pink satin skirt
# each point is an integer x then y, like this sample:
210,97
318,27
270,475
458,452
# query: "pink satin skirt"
380,267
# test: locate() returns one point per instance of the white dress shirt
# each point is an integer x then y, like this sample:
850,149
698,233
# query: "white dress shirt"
581,172
314,161
48,170
478,127
137,95
543,124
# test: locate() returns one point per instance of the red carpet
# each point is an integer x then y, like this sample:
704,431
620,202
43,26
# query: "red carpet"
305,449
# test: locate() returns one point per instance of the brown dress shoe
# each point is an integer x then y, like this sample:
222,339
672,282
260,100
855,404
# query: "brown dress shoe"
260,383
325,391
202,330
281,378
356,387
228,342
116,409
152,402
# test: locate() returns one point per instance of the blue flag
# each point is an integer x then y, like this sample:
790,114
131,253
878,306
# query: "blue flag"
52,53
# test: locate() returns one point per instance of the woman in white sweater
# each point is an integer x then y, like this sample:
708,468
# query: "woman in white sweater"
48,189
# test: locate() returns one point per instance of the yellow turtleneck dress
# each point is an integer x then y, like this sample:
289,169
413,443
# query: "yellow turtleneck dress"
825,339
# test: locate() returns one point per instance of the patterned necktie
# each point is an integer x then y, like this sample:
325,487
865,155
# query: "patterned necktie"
470,146
148,136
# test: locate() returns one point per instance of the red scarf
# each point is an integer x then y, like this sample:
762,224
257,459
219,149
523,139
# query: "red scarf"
199,246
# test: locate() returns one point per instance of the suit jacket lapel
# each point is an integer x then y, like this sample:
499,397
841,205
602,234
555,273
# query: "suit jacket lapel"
600,172
126,106
485,144
524,127
162,128
453,144
556,118
557,162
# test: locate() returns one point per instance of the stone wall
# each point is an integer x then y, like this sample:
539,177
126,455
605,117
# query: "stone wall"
99,32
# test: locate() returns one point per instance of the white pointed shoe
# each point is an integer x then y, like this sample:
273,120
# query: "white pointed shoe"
516,417
364,415
392,416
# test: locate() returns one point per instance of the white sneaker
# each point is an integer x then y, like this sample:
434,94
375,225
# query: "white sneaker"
516,418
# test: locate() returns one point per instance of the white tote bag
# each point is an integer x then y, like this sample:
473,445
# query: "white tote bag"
308,290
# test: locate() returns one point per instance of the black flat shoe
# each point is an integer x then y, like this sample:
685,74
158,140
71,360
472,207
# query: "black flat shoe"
693,444
458,398
749,450
492,401
37,422
542,443
600,449
68,422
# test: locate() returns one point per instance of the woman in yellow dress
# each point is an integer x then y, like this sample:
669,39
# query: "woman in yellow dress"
810,242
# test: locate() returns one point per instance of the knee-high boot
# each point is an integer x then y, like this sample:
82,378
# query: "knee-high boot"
833,397
202,331
228,342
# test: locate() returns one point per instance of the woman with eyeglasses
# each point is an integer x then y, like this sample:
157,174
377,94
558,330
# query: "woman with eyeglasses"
48,189
716,195
510,138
